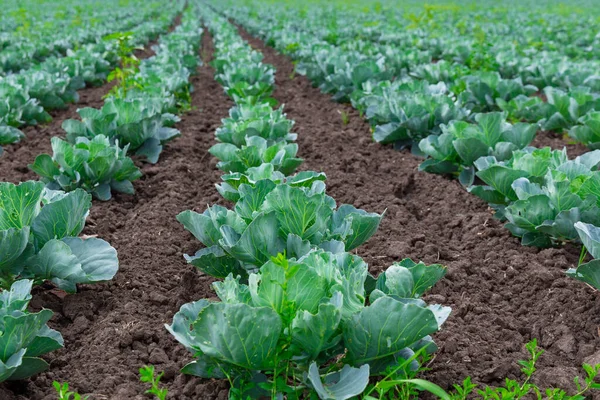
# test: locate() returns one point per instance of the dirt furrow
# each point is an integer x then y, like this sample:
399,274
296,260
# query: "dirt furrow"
112,329
502,294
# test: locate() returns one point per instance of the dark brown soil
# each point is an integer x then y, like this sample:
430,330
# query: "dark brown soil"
502,294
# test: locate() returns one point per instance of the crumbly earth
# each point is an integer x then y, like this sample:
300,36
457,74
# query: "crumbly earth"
502,294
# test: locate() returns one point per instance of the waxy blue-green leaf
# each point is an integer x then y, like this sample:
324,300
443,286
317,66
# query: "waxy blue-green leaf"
61,218
590,237
13,243
19,204
298,212
315,333
354,226
384,328
23,336
215,262
97,258
238,334
588,273
341,385
183,320
259,242
501,179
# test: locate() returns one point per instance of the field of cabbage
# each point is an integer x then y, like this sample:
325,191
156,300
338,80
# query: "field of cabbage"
260,199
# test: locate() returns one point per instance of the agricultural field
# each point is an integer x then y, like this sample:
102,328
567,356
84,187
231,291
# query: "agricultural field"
262,199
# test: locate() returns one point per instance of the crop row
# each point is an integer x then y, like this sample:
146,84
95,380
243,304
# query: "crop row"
40,221
455,121
52,84
367,72
294,303
40,33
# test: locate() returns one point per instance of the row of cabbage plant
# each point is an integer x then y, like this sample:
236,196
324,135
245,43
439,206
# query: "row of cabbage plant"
297,313
137,118
52,84
41,222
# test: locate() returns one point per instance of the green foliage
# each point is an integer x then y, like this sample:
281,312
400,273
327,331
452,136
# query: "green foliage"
230,187
139,126
254,153
24,336
130,65
45,60
270,218
481,91
589,132
345,117
9,135
239,68
297,315
62,390
18,108
514,389
93,165
461,144
542,193
246,120
588,272
148,375
40,242
404,113
294,315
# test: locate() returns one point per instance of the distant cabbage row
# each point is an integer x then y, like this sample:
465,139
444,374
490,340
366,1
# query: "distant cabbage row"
468,90
50,80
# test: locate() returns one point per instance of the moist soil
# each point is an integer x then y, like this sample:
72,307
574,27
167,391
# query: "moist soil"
502,294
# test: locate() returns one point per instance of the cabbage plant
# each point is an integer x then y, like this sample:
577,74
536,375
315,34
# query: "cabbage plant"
24,336
588,132
95,165
461,144
404,113
480,92
242,81
255,152
9,135
239,69
247,120
270,218
139,124
230,187
310,325
39,240
51,90
18,107
542,193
